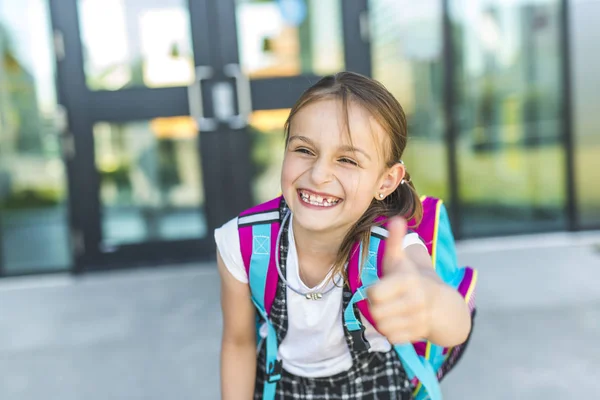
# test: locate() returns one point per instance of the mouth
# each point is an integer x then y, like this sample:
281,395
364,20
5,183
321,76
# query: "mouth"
318,200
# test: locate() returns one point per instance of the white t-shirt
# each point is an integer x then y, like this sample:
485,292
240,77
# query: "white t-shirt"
314,345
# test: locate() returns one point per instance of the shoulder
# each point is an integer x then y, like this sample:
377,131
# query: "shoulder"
228,244
227,237
228,229
413,238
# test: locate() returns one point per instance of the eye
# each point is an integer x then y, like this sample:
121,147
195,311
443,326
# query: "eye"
348,161
303,150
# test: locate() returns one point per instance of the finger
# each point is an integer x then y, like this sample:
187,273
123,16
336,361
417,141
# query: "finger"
394,245
390,288
393,326
401,330
405,306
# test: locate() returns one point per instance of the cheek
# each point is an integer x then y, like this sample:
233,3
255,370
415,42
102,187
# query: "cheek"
361,186
290,171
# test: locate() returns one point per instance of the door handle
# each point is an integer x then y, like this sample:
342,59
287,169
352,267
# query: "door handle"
195,100
244,95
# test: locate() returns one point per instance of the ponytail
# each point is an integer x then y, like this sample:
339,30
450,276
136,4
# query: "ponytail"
408,201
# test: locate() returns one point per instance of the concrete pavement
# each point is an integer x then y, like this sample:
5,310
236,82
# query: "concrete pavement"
154,333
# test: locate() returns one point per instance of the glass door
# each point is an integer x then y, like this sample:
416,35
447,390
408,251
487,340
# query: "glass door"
510,133
408,58
146,164
34,220
584,32
176,119
280,48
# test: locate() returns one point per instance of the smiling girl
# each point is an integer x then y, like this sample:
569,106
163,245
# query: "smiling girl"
342,175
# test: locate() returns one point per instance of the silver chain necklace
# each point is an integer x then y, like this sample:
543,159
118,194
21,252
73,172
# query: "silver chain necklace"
314,294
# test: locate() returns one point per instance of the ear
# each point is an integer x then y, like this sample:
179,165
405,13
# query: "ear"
390,180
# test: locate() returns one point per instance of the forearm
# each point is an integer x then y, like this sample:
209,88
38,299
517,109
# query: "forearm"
450,317
238,370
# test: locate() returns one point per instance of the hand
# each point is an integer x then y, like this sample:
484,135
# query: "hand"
401,302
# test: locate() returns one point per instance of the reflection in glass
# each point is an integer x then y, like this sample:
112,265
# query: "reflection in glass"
587,165
33,195
585,31
268,149
151,182
288,38
508,82
406,45
148,43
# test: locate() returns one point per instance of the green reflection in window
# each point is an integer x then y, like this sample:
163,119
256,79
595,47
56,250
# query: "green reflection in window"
150,180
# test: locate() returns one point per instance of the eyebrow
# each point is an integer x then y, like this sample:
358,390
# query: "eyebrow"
345,148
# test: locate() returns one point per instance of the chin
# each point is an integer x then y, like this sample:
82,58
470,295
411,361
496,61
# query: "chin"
313,223
318,220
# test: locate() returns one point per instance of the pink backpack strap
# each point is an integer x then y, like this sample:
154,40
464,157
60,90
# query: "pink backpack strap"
258,228
374,259
436,233
427,228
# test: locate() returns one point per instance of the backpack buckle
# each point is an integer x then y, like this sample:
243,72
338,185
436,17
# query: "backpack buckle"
275,372
358,339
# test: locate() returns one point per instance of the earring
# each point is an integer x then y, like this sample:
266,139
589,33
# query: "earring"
381,196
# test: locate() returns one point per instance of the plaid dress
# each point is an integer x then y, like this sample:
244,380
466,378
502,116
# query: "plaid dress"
375,376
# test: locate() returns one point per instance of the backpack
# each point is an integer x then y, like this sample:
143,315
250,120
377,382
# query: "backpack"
425,363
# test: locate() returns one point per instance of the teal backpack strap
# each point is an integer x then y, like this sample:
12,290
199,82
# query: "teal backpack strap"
413,364
272,364
421,369
360,279
353,324
259,267
355,328
258,229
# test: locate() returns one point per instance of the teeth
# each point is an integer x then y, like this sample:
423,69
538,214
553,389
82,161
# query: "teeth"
317,200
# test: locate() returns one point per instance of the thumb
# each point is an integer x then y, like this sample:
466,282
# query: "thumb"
394,255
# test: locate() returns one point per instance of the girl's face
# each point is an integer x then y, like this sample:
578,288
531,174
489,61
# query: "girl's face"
327,180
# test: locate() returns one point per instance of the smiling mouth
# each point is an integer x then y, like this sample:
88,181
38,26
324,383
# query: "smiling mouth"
318,200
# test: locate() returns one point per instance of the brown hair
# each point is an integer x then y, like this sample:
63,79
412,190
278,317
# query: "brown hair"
387,111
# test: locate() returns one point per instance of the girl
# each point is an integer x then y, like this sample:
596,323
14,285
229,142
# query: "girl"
342,171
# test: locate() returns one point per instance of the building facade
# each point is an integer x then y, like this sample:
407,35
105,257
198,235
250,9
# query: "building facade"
130,129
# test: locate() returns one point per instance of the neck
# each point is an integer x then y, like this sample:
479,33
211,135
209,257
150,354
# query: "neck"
317,248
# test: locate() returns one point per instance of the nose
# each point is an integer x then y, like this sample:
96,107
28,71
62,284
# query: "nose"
321,172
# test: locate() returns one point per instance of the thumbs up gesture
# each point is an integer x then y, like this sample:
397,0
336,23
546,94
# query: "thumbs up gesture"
401,303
